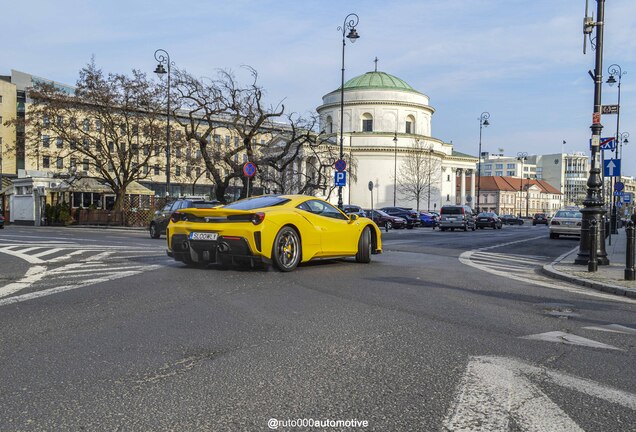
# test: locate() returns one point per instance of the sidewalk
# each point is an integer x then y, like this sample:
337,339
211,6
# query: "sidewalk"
608,278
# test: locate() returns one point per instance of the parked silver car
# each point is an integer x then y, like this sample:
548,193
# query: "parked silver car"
456,216
566,221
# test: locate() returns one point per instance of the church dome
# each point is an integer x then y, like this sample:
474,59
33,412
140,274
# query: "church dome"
377,80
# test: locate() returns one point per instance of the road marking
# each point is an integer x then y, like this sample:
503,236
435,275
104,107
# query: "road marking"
63,288
33,274
568,339
613,328
471,258
497,391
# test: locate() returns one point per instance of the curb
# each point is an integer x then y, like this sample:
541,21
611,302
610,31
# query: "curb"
550,271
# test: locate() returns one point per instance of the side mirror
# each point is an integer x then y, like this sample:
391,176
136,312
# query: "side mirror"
353,217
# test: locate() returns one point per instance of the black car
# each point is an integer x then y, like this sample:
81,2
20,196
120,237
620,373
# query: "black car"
385,220
1,221
411,216
488,220
162,217
539,218
511,220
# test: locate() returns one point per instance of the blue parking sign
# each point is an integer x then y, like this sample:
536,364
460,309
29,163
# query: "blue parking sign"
627,198
340,178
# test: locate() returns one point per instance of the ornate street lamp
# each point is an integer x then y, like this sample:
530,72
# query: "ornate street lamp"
522,156
350,23
395,140
593,204
615,70
483,121
163,57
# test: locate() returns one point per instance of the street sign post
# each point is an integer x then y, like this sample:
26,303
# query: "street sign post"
340,178
249,169
612,167
608,143
340,165
609,109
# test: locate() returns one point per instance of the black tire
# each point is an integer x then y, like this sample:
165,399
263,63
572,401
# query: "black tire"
388,225
520,222
287,249
481,227
442,229
473,228
453,229
364,247
554,235
154,231
409,227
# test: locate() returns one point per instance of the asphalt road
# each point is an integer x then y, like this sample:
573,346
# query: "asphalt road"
443,331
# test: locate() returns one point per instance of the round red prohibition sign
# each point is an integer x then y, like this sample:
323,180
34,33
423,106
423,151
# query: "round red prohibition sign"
249,169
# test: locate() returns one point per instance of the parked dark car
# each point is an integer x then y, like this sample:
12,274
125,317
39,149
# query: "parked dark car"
162,217
539,218
383,219
1,221
511,220
428,219
354,209
411,216
488,220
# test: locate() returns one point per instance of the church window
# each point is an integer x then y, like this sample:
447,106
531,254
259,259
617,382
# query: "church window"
329,125
367,122
410,125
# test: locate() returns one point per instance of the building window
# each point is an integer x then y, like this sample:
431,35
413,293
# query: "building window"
60,121
178,152
156,169
510,166
111,146
188,171
217,139
198,154
135,149
60,163
499,166
146,150
367,123
86,143
45,121
510,173
244,158
329,125
236,142
157,152
46,162
407,129
73,162
227,141
488,166
59,142
46,141
98,125
447,197
146,169
85,165
86,125
177,170
410,124
198,172
498,173
448,177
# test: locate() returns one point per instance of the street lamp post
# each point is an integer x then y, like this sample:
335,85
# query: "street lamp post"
521,156
395,141
615,70
593,203
163,57
350,23
483,121
429,169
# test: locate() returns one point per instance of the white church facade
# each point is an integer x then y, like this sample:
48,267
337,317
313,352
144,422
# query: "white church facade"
386,122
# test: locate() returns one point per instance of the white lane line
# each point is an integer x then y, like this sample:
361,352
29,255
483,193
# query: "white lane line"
46,252
495,390
19,254
33,274
613,328
65,257
92,270
568,339
63,288
466,259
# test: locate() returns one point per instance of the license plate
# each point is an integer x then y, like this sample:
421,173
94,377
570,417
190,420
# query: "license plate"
203,236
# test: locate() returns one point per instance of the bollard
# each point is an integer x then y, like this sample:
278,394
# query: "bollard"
630,274
592,264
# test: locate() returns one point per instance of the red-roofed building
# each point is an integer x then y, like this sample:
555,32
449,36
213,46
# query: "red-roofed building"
512,195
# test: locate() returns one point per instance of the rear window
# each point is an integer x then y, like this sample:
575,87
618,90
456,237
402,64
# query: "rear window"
569,214
257,202
204,204
452,210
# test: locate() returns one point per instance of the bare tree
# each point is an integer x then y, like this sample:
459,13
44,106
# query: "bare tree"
109,127
289,154
418,174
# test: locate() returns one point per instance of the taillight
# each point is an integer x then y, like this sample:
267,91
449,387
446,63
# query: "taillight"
555,223
257,218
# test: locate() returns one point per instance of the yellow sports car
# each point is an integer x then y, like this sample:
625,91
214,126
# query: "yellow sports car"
281,229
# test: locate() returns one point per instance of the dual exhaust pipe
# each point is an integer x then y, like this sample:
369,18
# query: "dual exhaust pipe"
222,247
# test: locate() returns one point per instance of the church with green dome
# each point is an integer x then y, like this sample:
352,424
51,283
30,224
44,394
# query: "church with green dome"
387,134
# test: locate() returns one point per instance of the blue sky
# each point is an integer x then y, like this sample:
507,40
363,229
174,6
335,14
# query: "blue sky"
520,60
